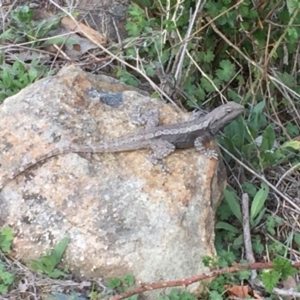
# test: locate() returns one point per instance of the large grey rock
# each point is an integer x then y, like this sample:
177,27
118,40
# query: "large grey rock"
122,214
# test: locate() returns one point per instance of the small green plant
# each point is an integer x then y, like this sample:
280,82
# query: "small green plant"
19,75
47,263
6,238
122,285
225,259
231,209
127,282
94,295
6,279
281,270
23,28
137,23
256,141
178,294
272,222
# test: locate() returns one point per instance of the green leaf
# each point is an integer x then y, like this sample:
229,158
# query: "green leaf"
257,246
149,70
128,280
60,40
276,248
134,297
43,27
114,283
226,258
132,29
128,79
244,275
208,56
287,79
224,211
227,70
207,261
292,34
233,95
292,129
145,3
238,242
244,10
57,274
233,203
184,295
249,188
7,35
5,245
44,264
134,10
270,279
3,289
130,52
258,108
291,144
292,5
7,278
268,139
215,295
163,298
253,14
272,158
177,294
227,227
18,67
236,132
297,238
6,78
206,84
200,93
33,74
7,233
257,220
271,223
259,201
6,237
284,267
165,56
23,80
59,249
22,14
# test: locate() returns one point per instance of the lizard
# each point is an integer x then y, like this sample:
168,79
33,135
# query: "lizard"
163,140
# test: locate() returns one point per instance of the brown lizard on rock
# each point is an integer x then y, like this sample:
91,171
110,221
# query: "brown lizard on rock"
163,140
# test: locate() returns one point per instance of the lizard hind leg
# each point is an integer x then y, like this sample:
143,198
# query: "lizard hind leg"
149,118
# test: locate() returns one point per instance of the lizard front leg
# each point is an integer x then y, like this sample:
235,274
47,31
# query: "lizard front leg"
161,148
196,115
199,145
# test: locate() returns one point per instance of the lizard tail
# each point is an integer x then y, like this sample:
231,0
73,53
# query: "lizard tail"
32,163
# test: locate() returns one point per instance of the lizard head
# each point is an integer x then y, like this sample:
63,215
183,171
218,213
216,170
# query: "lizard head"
223,115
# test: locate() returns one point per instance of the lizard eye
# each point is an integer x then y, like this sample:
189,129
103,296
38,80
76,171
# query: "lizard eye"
228,111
